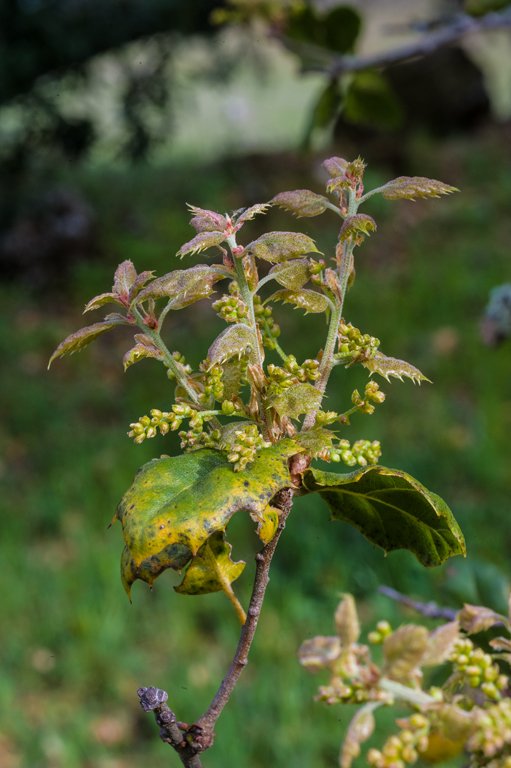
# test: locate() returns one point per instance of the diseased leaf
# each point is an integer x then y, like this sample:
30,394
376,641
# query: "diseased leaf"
233,341
441,643
125,276
346,620
251,212
185,499
200,242
175,556
139,352
404,650
268,525
298,399
281,246
390,366
314,441
415,186
183,286
101,300
302,202
360,222
477,618
207,221
141,280
211,565
335,166
82,338
291,274
311,301
392,510
318,652
359,730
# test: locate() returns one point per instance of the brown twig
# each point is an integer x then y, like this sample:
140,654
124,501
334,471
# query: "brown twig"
200,735
432,41
431,610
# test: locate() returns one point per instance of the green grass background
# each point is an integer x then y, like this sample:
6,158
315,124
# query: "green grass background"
73,649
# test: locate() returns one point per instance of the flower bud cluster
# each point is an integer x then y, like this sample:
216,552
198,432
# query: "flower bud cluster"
476,668
195,439
362,452
267,325
179,358
292,373
352,344
248,442
212,382
147,427
338,692
371,393
492,734
402,749
377,636
316,269
232,309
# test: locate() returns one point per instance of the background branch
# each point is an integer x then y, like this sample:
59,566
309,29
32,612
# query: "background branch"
431,610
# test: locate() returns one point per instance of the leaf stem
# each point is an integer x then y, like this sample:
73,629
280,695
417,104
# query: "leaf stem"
226,585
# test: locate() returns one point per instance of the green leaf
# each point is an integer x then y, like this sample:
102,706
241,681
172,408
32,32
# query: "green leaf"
185,499
410,187
391,366
392,510
82,338
183,286
311,301
281,246
200,242
210,566
175,556
482,7
326,109
302,202
125,276
298,399
370,101
341,28
360,222
233,341
291,274
314,441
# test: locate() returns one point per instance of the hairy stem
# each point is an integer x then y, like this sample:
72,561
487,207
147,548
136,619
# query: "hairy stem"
226,586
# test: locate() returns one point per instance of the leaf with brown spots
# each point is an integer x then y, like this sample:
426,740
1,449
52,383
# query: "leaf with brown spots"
185,499
211,566
392,510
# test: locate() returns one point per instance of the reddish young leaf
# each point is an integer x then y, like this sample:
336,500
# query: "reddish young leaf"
291,274
360,222
335,166
415,186
141,280
183,286
125,276
207,221
139,352
281,246
311,301
302,202
101,300
251,212
200,242
81,339
233,341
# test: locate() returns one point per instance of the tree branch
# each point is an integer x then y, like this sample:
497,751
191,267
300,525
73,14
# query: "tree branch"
462,26
431,610
199,736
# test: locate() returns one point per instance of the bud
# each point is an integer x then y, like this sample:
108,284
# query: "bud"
347,624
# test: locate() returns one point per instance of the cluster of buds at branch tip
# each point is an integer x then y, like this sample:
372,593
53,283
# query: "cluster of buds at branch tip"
147,427
232,308
281,378
179,358
243,452
362,452
354,345
267,325
475,668
371,392
403,748
377,636
213,387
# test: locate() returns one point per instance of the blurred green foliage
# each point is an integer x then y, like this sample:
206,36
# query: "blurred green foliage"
73,650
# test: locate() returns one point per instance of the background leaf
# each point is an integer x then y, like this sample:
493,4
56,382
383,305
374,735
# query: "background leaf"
201,577
370,101
392,510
